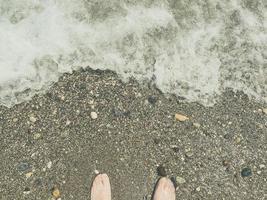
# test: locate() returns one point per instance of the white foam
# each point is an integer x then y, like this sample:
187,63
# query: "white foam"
195,50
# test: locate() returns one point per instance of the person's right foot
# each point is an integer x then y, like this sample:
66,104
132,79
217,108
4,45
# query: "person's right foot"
164,190
100,189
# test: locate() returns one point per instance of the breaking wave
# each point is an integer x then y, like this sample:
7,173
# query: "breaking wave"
194,49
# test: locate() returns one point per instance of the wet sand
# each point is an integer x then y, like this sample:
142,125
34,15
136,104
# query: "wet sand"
52,141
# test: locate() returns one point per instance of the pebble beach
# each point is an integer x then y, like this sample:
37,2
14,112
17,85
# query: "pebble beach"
90,121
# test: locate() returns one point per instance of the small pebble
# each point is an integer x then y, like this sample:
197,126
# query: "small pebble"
55,192
15,120
29,174
62,98
246,172
262,166
138,95
152,100
238,140
226,163
68,122
198,189
27,190
33,119
22,167
189,154
227,136
175,148
161,171
96,172
49,164
180,180
181,117
264,110
259,172
197,125
36,136
93,115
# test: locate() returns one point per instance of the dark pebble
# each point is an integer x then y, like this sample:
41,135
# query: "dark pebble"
24,166
161,171
27,189
227,136
152,99
176,149
246,172
226,163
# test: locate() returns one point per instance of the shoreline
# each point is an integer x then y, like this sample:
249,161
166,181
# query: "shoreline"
52,140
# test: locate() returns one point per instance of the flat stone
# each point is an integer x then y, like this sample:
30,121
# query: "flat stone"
264,110
181,117
24,166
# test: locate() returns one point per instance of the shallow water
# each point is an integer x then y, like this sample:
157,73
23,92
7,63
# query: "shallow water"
194,49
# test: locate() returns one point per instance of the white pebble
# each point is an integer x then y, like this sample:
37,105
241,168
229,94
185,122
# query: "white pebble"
180,180
93,115
33,119
197,125
49,164
26,192
68,122
262,166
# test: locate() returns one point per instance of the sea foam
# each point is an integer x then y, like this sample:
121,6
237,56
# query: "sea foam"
194,49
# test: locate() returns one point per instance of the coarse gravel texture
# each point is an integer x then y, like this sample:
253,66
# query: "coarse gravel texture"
52,141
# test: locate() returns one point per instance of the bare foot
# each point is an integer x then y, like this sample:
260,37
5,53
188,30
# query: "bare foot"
100,189
164,190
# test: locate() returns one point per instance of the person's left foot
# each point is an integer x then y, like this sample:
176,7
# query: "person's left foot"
101,188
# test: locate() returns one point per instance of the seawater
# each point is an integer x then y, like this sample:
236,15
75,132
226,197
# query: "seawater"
194,49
